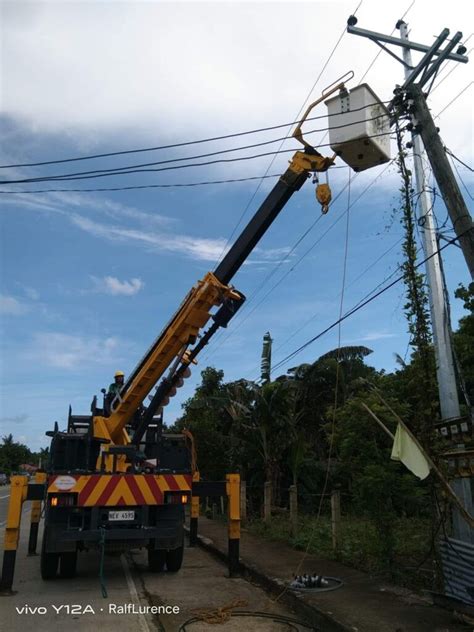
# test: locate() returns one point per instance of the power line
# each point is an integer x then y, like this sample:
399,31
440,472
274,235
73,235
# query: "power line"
273,271
460,178
369,267
359,307
448,151
455,99
152,186
359,198
453,68
275,285
177,145
244,212
128,168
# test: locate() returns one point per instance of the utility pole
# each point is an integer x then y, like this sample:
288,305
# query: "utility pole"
422,122
446,377
448,393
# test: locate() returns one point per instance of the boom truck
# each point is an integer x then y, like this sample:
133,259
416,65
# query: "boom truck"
115,480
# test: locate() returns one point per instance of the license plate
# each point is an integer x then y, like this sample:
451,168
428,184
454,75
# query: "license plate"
121,515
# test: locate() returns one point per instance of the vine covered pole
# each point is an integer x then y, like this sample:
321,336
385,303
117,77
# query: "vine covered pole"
462,224
446,377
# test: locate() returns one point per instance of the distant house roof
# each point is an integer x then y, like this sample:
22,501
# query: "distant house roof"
26,467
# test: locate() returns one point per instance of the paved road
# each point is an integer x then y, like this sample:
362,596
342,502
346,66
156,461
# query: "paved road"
4,496
4,499
202,583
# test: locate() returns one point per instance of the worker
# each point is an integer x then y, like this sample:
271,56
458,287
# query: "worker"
117,384
114,390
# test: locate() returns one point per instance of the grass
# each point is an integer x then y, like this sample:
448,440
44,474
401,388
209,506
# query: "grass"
360,545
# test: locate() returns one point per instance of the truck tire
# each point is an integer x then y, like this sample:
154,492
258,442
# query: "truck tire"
68,564
49,561
156,560
174,559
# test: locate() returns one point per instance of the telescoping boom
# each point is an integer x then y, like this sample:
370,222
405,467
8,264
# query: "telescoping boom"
179,343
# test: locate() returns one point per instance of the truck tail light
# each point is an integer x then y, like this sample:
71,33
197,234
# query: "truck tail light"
176,498
62,500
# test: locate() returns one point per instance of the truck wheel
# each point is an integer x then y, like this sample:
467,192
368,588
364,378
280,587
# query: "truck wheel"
174,559
67,564
49,561
156,560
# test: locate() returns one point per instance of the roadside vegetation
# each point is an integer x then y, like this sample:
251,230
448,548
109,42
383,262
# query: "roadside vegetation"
293,430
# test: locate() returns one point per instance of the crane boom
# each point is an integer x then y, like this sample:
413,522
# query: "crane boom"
180,342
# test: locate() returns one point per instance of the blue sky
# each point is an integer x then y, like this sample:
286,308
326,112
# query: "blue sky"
89,279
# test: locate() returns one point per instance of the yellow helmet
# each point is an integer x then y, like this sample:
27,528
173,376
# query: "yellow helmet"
119,374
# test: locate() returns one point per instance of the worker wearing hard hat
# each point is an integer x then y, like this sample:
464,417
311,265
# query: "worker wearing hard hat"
117,384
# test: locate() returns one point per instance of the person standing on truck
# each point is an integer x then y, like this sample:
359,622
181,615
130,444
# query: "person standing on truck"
117,384
114,390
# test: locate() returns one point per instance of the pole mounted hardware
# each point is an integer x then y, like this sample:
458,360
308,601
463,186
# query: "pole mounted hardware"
410,98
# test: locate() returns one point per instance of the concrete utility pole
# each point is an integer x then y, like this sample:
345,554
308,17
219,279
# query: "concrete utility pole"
446,377
425,71
448,394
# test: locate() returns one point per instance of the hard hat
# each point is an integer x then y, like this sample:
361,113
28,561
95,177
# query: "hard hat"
119,374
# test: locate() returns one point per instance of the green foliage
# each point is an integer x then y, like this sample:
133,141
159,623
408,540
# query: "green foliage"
12,455
204,415
416,310
361,545
464,340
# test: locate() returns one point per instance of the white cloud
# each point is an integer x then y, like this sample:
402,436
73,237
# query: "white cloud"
194,247
372,336
12,306
14,419
68,351
112,285
128,74
31,293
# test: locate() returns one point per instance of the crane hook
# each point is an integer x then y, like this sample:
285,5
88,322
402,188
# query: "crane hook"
324,195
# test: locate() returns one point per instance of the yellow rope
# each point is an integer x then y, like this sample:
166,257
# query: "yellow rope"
219,615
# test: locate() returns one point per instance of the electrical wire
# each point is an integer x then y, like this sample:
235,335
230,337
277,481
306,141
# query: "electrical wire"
455,99
247,315
460,178
441,80
151,186
294,624
67,177
183,144
360,306
448,151
119,170
336,389
221,341
244,212
253,196
369,267
307,322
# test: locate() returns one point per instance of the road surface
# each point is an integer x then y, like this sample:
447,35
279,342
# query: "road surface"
133,592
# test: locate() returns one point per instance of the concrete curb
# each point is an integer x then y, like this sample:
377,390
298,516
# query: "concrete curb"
323,621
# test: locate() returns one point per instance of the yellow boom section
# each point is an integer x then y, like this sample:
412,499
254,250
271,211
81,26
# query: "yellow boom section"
182,330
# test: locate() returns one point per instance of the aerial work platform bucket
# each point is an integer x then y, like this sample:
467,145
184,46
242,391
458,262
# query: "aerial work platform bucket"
359,128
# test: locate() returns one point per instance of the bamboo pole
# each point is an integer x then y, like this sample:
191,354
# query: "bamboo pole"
444,483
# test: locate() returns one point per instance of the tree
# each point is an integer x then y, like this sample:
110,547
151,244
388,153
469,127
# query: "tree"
204,415
464,341
12,454
263,413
